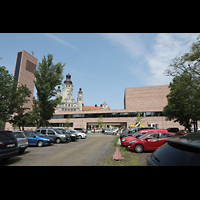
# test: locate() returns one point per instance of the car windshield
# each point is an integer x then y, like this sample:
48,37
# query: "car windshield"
135,134
19,135
6,135
38,134
58,131
142,136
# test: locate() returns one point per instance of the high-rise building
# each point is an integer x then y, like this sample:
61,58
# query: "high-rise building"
25,65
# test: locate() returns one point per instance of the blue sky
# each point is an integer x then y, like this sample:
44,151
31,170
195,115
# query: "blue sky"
103,64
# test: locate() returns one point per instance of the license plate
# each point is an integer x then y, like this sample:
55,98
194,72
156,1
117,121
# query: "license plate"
10,145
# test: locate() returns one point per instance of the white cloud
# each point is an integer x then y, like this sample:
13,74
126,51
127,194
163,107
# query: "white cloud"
166,47
152,61
58,40
129,42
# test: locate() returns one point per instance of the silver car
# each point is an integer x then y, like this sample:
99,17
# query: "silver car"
22,141
56,134
110,131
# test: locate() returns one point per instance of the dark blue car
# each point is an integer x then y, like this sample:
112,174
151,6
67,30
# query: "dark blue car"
35,138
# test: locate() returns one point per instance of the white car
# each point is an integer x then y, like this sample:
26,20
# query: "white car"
22,141
80,135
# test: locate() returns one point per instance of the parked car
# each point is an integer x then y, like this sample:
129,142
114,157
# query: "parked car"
73,136
140,133
182,132
173,130
148,142
80,135
179,151
22,141
131,131
109,131
82,130
36,138
56,134
8,145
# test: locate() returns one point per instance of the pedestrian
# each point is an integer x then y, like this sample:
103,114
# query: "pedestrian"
94,130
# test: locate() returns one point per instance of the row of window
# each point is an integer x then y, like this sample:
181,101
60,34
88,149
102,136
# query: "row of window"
59,125
105,115
65,109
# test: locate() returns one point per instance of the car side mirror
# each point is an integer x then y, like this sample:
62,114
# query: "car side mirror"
34,136
146,138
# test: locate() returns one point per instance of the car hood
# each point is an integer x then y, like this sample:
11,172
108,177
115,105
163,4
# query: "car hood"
128,138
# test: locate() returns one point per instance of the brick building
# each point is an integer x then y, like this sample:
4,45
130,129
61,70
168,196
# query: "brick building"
149,101
25,65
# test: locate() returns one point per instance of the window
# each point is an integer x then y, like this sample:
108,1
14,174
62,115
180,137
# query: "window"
29,135
153,136
6,136
43,132
164,135
51,132
17,67
30,66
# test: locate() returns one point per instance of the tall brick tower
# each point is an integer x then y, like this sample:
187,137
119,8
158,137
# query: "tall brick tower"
25,65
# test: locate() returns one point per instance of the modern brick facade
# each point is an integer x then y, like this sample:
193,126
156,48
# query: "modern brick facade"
150,98
25,65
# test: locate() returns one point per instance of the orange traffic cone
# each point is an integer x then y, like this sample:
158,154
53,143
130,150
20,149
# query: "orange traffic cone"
117,155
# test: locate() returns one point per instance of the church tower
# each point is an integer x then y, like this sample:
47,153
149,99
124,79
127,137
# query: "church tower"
67,88
68,102
80,99
58,92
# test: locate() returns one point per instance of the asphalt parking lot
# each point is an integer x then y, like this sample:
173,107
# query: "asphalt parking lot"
83,152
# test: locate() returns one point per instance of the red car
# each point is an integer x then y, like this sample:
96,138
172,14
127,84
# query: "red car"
140,133
149,141
182,132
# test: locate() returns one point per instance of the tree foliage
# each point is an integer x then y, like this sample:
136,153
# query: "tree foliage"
67,123
100,121
47,77
19,98
139,118
6,90
183,100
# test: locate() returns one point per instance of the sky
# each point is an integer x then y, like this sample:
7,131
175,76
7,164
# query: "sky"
102,64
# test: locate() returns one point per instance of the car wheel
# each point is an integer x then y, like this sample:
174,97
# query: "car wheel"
139,148
58,140
79,137
40,143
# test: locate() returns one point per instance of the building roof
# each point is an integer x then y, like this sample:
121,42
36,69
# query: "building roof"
86,108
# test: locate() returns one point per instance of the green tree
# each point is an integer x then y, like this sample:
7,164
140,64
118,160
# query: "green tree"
6,90
67,123
100,120
187,70
183,106
35,117
47,77
19,98
139,118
